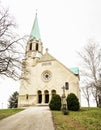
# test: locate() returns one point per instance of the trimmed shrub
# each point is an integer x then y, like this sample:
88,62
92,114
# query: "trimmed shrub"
55,103
73,102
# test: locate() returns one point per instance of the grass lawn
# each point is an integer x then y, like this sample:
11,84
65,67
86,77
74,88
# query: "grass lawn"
85,119
8,112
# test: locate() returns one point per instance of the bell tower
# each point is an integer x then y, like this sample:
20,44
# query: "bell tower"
34,47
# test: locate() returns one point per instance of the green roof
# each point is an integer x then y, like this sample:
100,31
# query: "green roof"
35,33
75,70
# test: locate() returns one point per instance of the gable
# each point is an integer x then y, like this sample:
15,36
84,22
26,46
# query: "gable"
46,57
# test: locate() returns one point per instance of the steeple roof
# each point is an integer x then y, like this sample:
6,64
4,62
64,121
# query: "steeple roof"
35,32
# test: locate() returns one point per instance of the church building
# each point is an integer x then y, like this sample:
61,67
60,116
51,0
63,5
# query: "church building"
43,75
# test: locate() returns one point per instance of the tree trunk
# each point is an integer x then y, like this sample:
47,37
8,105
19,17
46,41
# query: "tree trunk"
99,98
88,102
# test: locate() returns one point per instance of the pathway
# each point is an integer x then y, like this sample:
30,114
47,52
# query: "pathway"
33,118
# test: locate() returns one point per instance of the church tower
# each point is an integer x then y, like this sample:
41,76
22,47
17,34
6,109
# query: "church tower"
34,47
33,53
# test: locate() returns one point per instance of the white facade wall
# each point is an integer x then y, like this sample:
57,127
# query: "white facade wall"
59,75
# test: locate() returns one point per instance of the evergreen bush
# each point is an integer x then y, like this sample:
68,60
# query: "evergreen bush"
13,100
55,103
73,102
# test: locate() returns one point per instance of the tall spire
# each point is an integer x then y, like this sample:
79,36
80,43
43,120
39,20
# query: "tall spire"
35,33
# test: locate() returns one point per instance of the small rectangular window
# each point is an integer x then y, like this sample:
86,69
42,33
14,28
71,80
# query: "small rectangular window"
27,96
66,85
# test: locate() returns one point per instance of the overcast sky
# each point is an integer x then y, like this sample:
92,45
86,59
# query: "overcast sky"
65,27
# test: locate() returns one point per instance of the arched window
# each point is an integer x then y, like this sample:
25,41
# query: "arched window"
30,46
37,47
53,92
46,96
39,96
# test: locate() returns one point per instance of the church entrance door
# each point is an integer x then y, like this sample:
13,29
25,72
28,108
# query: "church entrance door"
46,96
39,97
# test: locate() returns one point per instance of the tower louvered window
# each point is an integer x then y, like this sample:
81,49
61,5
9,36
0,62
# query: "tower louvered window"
37,47
30,47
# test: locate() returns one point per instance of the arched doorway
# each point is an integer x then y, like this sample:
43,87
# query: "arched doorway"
39,97
53,92
46,96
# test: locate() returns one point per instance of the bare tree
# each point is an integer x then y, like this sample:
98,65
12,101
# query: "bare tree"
91,66
10,46
86,94
96,91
